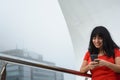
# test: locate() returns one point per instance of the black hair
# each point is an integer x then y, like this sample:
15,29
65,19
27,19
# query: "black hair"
108,44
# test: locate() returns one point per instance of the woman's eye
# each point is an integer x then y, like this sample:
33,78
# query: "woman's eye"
99,38
94,37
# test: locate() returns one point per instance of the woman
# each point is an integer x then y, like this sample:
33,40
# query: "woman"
107,64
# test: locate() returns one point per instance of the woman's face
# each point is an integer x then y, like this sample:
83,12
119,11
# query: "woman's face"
97,41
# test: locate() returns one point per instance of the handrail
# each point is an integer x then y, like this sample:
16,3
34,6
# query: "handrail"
40,65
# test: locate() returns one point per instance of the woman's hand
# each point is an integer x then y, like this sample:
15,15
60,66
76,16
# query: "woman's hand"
101,62
92,65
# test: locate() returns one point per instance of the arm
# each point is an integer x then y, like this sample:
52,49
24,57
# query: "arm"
115,67
85,67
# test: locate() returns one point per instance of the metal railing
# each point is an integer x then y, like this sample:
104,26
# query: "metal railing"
23,61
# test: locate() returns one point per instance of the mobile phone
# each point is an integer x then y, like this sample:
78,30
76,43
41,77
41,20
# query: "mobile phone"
94,56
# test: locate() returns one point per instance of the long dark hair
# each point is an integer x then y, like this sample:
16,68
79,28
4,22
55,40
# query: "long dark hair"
108,44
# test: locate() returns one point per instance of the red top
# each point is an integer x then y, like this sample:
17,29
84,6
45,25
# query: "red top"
102,72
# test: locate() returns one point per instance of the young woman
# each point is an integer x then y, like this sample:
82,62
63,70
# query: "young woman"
107,64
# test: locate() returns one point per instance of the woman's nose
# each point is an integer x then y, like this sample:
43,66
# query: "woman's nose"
96,40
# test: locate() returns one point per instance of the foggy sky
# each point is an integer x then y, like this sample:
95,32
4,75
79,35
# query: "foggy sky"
36,25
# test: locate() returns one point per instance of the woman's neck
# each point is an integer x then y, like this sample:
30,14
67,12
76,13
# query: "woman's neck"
101,52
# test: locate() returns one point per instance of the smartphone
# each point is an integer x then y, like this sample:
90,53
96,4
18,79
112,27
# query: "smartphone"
94,56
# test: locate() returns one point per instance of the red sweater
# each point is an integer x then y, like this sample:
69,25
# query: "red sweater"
103,72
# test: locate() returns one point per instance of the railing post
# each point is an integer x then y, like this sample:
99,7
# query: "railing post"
3,72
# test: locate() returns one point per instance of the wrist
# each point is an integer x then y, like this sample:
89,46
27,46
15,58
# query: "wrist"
107,64
88,67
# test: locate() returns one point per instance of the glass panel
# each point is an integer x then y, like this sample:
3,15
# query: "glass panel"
22,72
33,72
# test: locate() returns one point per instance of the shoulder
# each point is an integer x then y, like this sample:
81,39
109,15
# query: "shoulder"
87,55
117,52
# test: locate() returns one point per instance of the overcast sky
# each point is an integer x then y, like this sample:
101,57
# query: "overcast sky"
36,25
